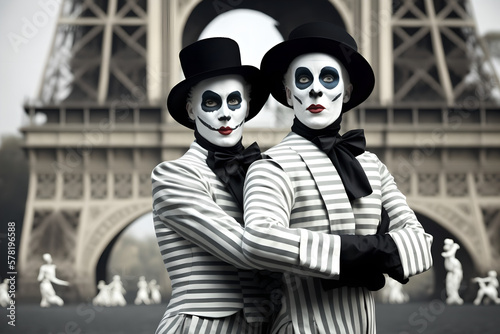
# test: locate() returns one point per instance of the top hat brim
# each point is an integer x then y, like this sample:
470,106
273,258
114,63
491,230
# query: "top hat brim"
276,61
177,98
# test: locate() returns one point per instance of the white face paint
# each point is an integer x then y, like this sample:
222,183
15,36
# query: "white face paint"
317,85
219,107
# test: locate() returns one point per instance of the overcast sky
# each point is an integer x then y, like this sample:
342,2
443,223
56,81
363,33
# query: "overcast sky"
26,30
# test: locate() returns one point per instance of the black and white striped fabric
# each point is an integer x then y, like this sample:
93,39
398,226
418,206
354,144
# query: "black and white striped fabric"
295,208
199,229
191,324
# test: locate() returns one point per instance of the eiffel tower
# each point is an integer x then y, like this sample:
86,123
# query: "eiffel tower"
434,119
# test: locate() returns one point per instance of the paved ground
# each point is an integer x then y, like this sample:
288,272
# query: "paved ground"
414,318
435,317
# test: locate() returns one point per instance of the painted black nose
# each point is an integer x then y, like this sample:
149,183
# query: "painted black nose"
313,93
225,118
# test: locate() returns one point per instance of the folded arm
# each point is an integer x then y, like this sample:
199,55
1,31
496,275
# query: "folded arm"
269,242
401,249
412,242
183,203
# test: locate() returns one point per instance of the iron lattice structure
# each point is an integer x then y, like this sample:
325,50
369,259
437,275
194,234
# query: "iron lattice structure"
437,54
100,54
434,119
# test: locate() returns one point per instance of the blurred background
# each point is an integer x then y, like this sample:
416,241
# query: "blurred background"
83,122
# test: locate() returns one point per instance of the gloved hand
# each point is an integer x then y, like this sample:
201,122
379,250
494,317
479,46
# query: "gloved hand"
372,280
378,252
363,261
365,258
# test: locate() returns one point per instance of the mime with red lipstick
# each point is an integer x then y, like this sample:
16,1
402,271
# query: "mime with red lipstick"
198,198
318,201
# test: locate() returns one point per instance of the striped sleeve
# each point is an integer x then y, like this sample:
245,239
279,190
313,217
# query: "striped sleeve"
182,202
413,243
268,241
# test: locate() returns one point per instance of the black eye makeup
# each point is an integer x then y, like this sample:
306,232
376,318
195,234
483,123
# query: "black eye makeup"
210,101
303,77
329,77
234,100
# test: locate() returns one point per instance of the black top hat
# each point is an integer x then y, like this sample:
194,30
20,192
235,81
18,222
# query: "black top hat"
322,37
208,58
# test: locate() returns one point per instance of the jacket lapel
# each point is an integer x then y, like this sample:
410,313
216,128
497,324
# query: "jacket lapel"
331,189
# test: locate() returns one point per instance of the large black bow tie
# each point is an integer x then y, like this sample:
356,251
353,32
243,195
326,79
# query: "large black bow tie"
231,168
342,151
352,141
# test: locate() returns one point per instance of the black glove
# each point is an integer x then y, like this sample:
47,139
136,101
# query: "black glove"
370,279
375,251
365,258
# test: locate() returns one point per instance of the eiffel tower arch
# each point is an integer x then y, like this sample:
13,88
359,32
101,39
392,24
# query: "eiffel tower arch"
100,123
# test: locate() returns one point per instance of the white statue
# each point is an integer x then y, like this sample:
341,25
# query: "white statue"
103,298
487,287
155,292
393,292
46,277
142,292
4,293
117,292
455,273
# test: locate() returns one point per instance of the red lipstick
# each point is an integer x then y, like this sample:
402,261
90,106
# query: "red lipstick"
225,130
315,108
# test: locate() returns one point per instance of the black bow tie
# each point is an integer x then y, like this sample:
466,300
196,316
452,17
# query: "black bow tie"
352,141
232,168
342,151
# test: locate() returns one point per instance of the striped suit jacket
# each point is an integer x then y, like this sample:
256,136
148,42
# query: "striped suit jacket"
199,229
295,210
